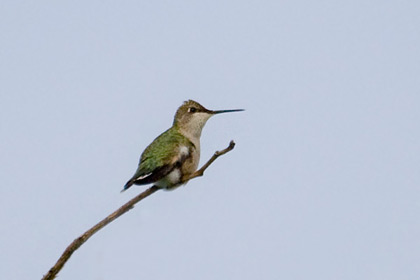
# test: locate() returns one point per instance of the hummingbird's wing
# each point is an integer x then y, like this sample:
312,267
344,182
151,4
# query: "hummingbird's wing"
162,156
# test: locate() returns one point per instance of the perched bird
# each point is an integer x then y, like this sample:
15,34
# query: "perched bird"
174,155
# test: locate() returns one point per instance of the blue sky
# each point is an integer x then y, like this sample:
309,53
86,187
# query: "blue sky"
323,182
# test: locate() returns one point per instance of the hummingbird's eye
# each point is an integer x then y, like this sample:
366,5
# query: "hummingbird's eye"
192,110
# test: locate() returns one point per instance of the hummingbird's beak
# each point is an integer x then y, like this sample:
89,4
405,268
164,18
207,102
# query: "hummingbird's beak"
226,111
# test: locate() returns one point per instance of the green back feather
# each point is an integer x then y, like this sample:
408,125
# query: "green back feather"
161,151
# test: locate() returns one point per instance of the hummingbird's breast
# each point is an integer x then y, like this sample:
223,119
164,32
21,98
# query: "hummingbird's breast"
191,164
181,173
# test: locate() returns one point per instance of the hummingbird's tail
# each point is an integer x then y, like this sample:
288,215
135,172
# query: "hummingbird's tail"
128,184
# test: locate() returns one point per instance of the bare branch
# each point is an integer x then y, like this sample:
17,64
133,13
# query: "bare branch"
52,273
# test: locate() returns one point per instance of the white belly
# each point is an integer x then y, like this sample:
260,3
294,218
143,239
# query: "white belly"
171,179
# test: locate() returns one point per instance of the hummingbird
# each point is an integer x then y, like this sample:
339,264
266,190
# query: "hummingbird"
174,155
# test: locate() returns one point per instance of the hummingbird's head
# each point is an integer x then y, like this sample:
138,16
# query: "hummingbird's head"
191,117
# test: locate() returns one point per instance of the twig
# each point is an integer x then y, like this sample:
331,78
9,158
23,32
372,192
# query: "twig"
52,273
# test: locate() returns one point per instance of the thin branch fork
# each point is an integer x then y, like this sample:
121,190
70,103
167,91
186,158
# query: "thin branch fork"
52,273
